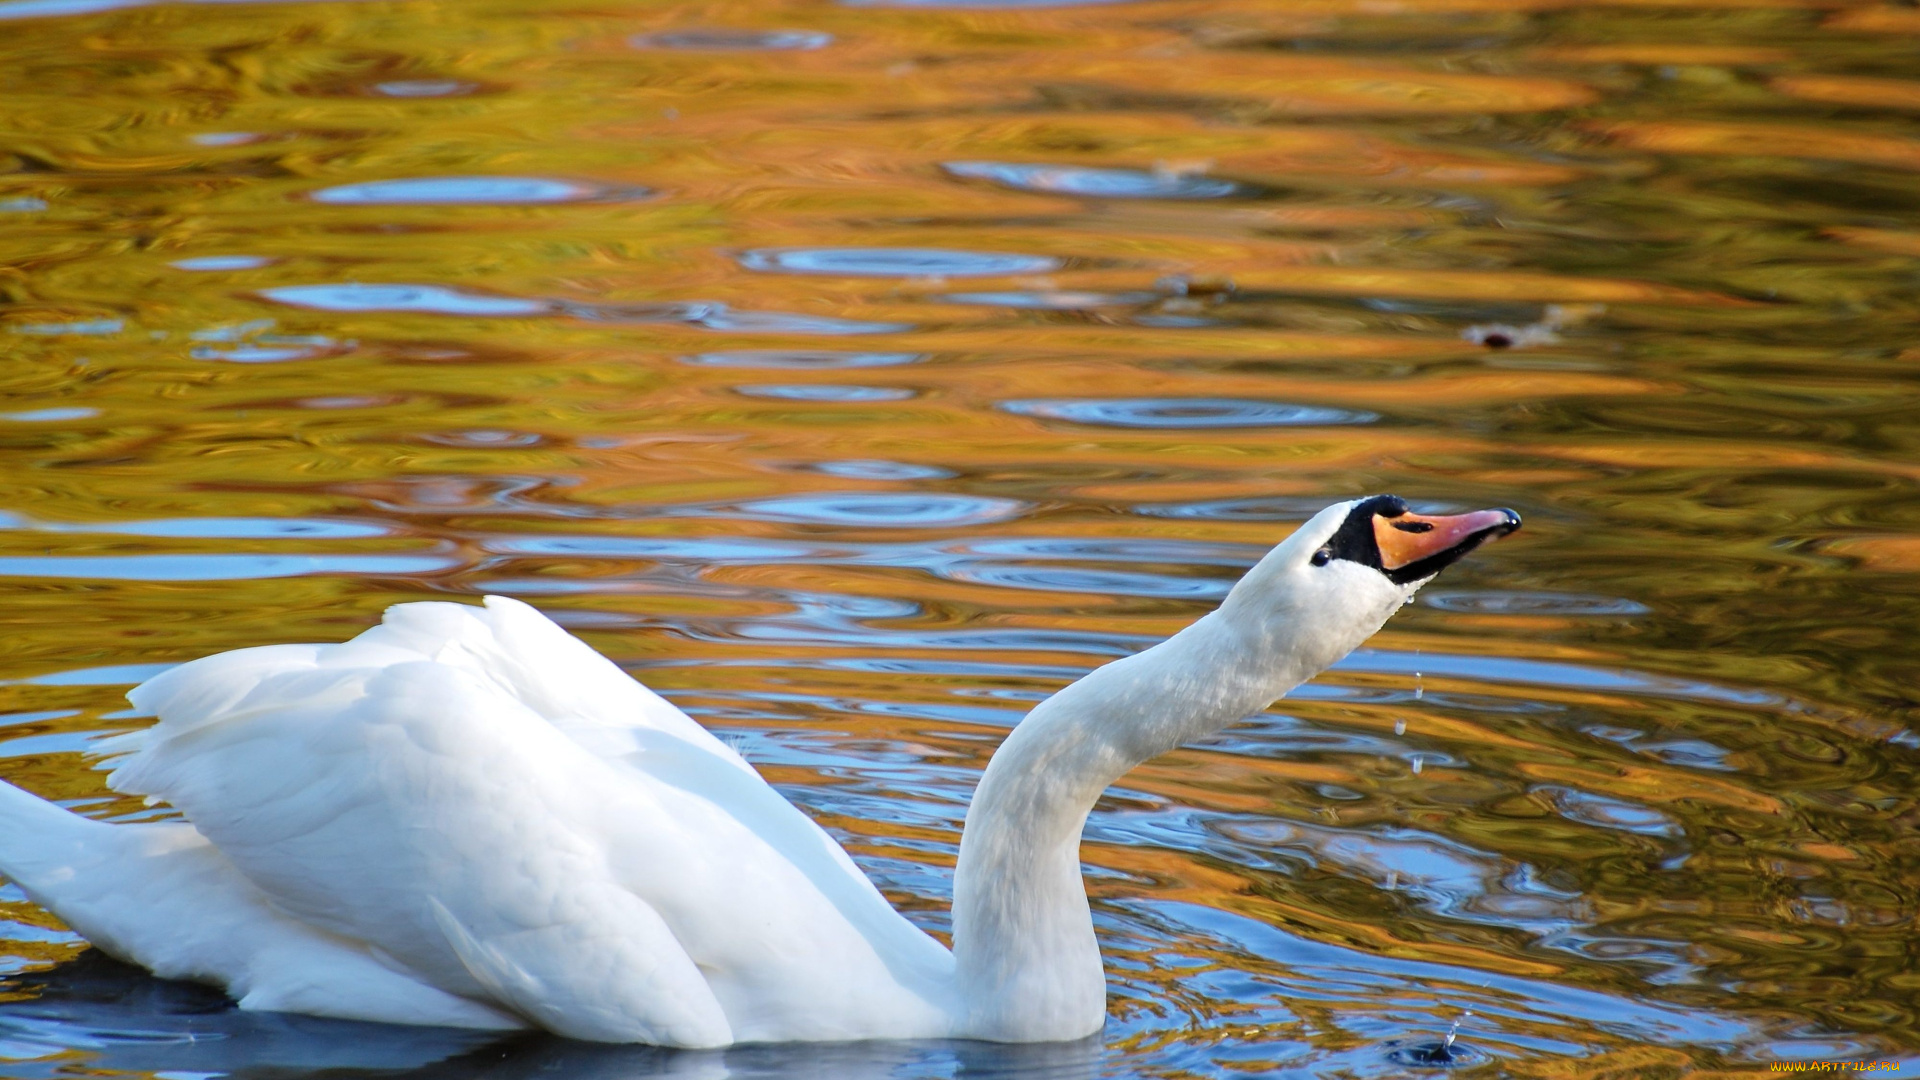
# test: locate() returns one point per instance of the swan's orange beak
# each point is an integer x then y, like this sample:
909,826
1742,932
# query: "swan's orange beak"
1412,538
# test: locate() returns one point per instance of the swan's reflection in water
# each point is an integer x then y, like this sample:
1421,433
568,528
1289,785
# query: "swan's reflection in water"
546,1057
107,1017
117,1018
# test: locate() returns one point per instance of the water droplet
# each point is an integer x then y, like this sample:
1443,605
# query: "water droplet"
1435,1055
1418,764
1399,726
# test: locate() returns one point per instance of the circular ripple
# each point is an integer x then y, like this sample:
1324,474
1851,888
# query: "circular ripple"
1497,602
1435,1054
1598,810
464,191
1184,412
827,392
884,509
896,262
802,359
717,39
1096,183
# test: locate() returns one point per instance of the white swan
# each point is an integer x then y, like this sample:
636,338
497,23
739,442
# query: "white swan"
467,817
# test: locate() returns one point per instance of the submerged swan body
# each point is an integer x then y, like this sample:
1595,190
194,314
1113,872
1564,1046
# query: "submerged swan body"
467,817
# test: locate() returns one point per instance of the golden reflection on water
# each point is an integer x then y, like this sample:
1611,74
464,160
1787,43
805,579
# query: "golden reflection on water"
860,373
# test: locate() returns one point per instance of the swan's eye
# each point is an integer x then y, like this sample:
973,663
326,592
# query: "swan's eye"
1322,557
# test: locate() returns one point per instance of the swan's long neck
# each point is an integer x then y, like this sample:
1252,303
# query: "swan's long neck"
1028,967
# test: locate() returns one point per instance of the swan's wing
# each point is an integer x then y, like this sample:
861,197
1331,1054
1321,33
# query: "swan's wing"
616,718
506,643
486,799
422,808
550,671
512,646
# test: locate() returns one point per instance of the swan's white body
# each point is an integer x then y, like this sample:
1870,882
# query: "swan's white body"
466,817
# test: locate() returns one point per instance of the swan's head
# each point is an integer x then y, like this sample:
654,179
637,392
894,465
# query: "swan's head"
1335,581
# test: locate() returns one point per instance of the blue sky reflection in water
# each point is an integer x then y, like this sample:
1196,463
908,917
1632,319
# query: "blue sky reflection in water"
857,374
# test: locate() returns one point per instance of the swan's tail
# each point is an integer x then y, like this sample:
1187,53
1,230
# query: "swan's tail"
43,847
160,896
96,877
100,879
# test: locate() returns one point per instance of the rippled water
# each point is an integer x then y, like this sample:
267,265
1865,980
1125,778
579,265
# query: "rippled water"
858,374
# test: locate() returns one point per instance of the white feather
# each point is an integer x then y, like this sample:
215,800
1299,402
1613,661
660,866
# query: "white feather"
508,818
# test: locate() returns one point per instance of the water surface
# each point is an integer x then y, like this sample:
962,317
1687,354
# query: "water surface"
858,374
